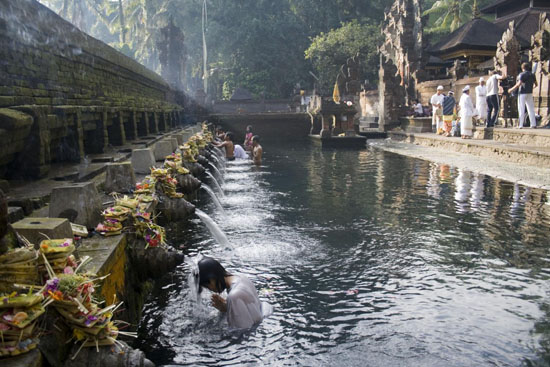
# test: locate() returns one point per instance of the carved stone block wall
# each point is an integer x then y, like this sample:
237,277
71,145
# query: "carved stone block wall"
540,54
401,59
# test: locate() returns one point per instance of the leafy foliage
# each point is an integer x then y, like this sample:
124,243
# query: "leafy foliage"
256,44
328,51
445,16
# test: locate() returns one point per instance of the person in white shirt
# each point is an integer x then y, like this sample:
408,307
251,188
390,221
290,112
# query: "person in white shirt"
418,109
466,112
437,109
481,100
492,98
526,82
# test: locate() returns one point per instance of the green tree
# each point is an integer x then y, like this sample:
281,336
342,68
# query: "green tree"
328,51
445,16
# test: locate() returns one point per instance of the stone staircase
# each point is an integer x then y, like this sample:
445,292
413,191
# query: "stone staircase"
522,146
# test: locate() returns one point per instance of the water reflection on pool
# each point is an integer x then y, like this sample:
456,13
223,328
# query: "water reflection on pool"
368,258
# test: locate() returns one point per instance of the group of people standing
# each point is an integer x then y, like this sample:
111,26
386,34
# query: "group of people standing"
235,151
444,117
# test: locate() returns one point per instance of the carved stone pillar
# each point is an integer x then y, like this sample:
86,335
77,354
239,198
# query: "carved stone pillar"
507,60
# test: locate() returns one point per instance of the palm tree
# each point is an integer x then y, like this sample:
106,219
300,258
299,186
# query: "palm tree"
451,14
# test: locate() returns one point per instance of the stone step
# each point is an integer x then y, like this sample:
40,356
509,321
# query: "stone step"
515,153
15,214
522,137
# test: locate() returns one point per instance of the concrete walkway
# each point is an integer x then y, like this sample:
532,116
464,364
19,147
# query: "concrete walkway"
533,176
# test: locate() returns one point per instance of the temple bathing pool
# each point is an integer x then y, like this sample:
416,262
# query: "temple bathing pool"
368,259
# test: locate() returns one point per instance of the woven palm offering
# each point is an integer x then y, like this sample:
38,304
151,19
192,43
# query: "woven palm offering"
126,202
109,227
174,165
73,297
18,266
168,184
59,254
19,315
147,186
153,234
193,145
188,153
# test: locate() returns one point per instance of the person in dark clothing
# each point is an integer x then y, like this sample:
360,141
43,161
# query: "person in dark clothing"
449,103
526,81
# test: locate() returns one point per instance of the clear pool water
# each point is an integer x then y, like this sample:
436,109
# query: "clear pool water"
368,259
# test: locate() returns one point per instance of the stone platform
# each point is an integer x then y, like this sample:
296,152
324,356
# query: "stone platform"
341,142
416,124
530,149
373,133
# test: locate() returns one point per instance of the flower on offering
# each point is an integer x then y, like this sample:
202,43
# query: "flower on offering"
65,245
19,313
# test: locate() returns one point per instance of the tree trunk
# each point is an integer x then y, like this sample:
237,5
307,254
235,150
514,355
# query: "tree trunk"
65,9
122,23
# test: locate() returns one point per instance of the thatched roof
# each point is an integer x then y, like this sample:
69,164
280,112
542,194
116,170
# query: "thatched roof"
526,24
493,7
241,94
477,34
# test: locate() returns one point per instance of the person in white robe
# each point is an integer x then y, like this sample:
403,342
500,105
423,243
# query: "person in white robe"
467,111
437,109
481,100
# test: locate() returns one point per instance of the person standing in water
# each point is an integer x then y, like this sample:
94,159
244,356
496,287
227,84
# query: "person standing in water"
248,138
242,306
257,150
228,145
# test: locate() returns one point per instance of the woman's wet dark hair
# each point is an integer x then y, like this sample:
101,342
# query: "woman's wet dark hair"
256,138
211,269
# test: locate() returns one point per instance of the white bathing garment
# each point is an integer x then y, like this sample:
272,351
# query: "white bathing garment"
239,152
244,308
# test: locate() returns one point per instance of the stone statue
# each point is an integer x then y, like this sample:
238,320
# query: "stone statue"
171,54
348,77
458,71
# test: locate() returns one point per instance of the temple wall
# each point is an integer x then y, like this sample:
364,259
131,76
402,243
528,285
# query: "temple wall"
78,94
369,102
426,89
282,105
541,95
269,126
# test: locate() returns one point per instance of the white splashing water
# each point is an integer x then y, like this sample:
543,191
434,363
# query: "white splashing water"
220,190
218,173
214,197
214,229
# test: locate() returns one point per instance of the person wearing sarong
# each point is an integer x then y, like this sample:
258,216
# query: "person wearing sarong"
467,111
448,112
481,100
437,112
